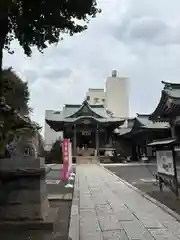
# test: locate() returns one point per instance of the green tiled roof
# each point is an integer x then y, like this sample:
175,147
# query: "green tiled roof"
168,103
69,110
147,123
142,122
172,89
72,113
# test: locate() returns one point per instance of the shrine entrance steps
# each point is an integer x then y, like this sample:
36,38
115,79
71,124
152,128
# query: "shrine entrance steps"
87,160
86,152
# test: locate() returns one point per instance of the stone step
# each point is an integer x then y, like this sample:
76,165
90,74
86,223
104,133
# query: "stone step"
87,160
86,152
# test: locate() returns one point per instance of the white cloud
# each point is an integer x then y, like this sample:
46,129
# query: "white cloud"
138,38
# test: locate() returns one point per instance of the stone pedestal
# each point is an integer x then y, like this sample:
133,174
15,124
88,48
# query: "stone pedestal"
23,195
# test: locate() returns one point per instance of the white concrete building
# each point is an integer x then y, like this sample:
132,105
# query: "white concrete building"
50,136
95,96
117,95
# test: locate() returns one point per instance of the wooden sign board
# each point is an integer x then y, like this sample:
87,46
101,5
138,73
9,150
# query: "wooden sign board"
166,164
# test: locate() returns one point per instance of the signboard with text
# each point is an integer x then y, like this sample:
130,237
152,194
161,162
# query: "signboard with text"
166,156
166,168
67,158
165,163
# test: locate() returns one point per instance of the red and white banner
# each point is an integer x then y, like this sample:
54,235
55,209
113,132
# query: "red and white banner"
67,158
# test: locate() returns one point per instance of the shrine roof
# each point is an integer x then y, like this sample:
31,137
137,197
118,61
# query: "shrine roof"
147,123
169,103
70,110
163,142
142,122
74,113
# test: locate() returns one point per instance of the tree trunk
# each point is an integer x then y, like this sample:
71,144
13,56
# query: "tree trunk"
2,144
3,34
1,59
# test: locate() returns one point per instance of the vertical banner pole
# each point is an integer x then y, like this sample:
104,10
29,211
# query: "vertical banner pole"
65,159
68,165
70,157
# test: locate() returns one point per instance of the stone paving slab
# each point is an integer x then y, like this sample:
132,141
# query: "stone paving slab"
114,235
105,208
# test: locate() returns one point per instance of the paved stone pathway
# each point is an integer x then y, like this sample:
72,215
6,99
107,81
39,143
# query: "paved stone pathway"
104,208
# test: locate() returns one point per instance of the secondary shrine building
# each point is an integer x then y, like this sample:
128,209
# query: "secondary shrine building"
88,126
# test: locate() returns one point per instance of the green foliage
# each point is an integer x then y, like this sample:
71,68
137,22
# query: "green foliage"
15,91
37,125
42,22
16,95
55,155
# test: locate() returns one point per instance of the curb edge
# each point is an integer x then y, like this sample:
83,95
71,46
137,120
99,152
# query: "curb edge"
74,208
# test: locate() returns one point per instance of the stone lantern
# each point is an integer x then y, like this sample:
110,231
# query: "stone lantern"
23,195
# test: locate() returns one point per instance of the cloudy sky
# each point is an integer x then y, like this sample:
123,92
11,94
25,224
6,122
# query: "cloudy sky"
139,38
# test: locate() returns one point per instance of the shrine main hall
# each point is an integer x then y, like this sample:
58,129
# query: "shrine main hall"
87,126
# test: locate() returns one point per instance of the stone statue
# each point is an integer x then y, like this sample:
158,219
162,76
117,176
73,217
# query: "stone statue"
25,140
25,143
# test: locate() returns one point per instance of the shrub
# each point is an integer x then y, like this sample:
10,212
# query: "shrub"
56,154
